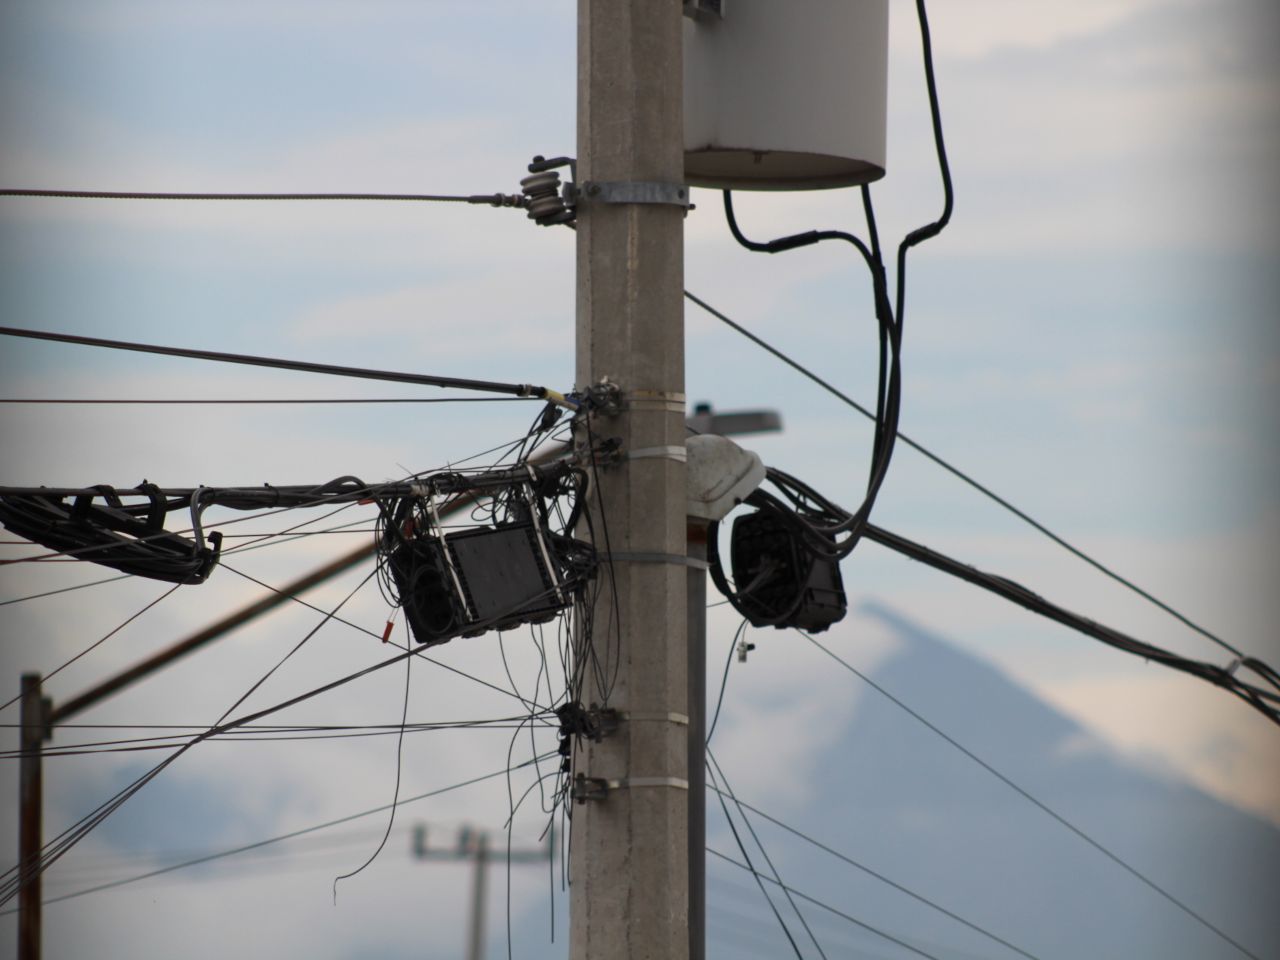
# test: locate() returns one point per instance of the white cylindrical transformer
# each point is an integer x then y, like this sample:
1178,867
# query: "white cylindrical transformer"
786,94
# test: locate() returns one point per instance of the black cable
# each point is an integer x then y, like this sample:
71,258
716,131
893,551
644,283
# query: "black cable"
1043,807
882,878
54,593
395,796
299,400
966,478
361,373
18,876
421,653
278,839
1015,592
825,906
97,643
760,846
760,878
488,199
724,679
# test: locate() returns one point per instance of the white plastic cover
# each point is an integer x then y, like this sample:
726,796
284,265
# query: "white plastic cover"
719,475
786,96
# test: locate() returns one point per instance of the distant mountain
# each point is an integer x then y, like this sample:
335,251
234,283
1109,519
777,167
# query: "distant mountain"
902,801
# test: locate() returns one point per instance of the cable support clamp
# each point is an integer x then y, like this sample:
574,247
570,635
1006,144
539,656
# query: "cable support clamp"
680,719
636,191
641,556
672,452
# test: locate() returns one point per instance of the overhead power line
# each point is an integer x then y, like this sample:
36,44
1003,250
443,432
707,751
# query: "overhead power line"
285,400
743,805
361,373
291,835
1030,798
966,478
487,199
825,906
1262,700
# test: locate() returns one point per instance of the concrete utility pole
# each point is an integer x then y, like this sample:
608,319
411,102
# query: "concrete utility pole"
474,845
629,870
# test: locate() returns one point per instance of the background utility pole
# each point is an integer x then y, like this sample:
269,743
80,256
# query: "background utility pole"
474,845
35,722
629,879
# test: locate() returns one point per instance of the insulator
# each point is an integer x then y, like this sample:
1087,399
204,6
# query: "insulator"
545,204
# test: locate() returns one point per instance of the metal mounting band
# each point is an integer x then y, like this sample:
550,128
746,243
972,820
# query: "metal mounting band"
636,191
643,557
680,719
672,452
678,782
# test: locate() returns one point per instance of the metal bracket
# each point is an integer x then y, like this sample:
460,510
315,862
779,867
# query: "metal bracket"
586,788
593,722
606,397
704,9
636,191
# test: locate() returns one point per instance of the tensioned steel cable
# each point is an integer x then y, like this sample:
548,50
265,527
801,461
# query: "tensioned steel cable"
966,478
825,906
742,804
285,400
1026,795
362,373
289,836
487,199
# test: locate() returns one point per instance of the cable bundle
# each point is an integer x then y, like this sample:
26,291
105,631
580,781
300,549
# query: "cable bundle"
516,568
112,534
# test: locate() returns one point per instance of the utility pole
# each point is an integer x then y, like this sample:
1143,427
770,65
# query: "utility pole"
474,845
629,869
35,724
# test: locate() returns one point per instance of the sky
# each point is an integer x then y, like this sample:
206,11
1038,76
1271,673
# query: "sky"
1094,337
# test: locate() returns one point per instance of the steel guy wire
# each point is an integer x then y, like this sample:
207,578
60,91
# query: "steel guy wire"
825,906
281,838
759,877
18,876
97,643
289,400
965,477
728,790
1026,795
486,199
329,369
881,877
